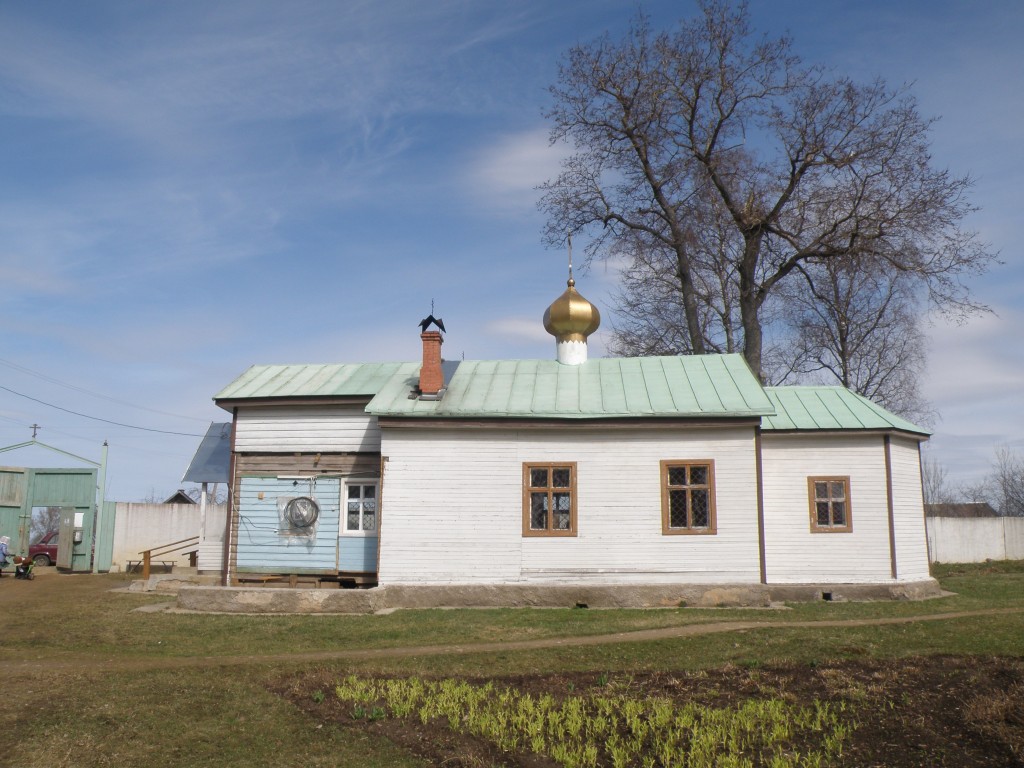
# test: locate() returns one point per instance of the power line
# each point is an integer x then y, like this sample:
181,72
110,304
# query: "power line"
97,418
58,382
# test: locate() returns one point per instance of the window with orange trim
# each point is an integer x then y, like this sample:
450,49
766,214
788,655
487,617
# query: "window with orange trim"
688,497
830,504
549,499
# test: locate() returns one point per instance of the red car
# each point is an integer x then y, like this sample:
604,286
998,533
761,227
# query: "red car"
44,551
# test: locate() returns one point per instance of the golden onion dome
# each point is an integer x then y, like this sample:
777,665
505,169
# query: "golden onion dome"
571,317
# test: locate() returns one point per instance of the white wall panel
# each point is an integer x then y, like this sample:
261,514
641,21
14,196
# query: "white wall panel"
908,511
793,554
453,507
336,428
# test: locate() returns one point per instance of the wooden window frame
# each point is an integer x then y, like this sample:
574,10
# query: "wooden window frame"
666,517
812,501
529,489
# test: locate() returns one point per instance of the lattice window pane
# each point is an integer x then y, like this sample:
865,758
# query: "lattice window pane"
538,511
698,475
539,478
700,509
560,477
677,476
823,512
838,491
677,509
352,523
820,490
370,491
369,521
839,513
369,505
353,491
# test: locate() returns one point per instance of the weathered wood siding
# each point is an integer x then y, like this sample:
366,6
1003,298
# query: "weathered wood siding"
793,554
262,543
357,553
908,511
283,429
453,507
363,465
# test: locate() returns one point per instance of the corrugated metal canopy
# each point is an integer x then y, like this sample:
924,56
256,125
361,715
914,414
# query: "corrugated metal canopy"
828,408
212,461
336,380
683,386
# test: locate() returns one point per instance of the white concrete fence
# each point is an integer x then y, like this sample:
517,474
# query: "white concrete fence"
144,526
975,539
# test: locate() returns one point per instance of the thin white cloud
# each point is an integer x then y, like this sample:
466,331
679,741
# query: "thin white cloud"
503,176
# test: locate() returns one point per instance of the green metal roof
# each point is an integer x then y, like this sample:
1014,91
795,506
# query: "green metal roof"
826,408
680,386
686,386
340,380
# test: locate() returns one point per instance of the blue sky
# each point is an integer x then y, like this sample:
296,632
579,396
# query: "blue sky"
189,188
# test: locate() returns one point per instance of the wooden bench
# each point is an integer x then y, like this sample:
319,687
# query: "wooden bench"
135,566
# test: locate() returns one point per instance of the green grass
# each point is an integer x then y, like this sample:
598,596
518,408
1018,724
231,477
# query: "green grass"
59,707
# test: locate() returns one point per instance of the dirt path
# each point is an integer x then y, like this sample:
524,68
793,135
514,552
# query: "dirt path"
639,636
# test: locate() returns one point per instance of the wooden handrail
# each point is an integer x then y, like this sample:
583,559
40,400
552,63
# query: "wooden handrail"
164,549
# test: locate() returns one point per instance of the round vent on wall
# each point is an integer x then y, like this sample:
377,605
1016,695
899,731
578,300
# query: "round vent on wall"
302,512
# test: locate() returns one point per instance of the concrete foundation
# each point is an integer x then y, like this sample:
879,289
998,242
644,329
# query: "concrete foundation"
275,600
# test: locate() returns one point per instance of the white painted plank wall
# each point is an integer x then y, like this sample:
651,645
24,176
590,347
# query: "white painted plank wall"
445,507
336,428
452,508
793,554
908,511
619,509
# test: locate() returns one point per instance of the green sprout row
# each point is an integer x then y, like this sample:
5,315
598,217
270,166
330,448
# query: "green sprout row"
618,731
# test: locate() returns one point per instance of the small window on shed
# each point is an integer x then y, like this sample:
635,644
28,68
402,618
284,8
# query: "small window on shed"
830,504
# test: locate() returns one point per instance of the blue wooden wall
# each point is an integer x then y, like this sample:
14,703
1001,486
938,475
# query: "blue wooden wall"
263,547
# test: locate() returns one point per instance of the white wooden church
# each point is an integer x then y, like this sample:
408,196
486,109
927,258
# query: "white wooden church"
616,472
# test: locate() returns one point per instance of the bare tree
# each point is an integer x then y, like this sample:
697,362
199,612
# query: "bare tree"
1007,483
856,322
935,484
216,494
44,520
676,132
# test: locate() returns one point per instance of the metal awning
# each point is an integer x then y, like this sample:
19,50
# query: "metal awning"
212,461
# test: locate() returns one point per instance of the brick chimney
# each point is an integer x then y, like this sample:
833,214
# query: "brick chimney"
431,374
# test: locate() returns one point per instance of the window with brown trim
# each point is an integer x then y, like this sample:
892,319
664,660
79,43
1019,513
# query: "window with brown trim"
688,497
549,499
830,504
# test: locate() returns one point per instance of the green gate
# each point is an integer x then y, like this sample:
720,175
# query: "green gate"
71,493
